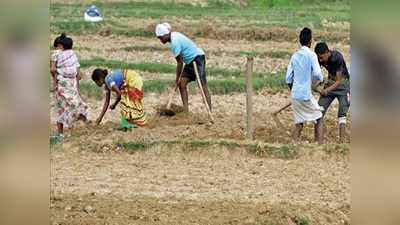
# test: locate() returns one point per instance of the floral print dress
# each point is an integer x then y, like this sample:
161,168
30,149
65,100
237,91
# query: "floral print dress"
69,102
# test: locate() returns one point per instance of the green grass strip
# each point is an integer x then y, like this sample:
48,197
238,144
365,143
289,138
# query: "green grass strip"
114,64
286,152
273,83
276,12
265,54
161,68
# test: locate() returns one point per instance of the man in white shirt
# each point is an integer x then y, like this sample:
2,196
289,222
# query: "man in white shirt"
303,70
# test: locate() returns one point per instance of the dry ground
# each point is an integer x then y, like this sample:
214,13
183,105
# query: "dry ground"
95,181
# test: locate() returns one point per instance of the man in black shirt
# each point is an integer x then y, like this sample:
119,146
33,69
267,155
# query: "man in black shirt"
337,85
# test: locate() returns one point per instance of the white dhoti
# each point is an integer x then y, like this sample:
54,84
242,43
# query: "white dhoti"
306,111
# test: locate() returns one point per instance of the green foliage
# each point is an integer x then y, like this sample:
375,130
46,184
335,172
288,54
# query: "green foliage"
255,149
90,90
74,27
273,83
301,220
280,13
266,222
133,147
197,144
166,68
113,64
336,149
279,152
157,86
285,152
282,152
260,54
144,48
265,54
229,145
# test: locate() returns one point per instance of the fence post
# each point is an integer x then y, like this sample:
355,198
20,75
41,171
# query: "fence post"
249,98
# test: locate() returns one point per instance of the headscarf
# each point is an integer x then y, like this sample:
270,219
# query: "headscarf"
163,29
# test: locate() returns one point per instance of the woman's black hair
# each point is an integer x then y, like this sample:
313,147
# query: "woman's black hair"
67,43
98,74
321,48
305,36
63,40
58,39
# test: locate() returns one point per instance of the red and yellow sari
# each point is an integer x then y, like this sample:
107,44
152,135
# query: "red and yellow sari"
132,105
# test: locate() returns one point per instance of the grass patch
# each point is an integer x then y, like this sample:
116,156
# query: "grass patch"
342,149
273,83
75,27
91,90
114,64
229,145
162,68
285,213
269,54
133,32
275,12
265,54
296,220
104,28
255,149
251,19
301,220
281,152
285,152
197,144
144,48
132,147
279,54
266,222
157,86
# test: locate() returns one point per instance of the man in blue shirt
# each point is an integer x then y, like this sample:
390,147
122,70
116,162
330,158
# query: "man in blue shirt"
304,70
185,51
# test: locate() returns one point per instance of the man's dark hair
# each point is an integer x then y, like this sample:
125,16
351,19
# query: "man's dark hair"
305,36
321,48
99,74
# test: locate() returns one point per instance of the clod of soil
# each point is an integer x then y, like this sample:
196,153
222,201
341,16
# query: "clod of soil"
172,111
89,209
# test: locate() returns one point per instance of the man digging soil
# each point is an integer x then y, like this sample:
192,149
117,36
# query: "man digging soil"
185,51
337,86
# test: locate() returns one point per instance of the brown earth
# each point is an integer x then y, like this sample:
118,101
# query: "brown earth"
94,181
229,113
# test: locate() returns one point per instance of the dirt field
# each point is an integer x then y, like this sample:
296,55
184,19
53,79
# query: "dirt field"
181,184
212,186
182,169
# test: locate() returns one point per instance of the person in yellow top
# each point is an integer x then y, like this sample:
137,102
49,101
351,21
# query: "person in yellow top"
128,85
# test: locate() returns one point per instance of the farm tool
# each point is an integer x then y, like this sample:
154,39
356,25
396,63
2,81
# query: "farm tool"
167,110
202,92
275,117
